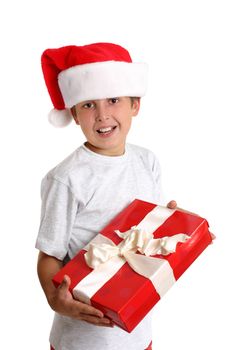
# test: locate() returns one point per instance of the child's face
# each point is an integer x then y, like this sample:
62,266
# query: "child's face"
106,123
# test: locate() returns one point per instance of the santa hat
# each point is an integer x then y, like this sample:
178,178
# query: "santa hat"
78,73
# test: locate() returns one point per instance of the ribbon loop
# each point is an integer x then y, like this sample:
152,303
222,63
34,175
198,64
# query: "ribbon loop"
134,240
107,258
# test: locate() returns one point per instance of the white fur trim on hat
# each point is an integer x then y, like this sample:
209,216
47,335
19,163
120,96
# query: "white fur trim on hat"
102,80
60,118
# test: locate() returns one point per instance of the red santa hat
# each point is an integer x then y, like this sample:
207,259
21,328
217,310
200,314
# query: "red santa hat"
78,73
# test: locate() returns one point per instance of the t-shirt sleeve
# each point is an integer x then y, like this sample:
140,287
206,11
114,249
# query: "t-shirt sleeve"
58,211
156,171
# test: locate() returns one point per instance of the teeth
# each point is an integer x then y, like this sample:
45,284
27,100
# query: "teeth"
105,129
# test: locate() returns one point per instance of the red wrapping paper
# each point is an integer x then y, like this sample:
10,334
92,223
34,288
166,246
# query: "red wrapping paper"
127,297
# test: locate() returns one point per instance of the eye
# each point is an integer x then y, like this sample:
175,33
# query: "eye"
113,100
88,105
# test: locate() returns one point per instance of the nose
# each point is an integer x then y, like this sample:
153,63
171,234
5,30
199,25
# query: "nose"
102,117
102,112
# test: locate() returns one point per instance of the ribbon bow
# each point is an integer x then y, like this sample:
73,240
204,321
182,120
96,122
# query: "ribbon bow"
137,248
134,240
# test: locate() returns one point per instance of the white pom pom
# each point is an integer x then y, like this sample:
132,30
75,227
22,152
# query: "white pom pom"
61,118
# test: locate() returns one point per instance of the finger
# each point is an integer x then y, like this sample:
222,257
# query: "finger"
212,236
89,310
97,321
111,325
186,211
172,204
64,286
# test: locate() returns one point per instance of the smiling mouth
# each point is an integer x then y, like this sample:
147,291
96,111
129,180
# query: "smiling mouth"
105,131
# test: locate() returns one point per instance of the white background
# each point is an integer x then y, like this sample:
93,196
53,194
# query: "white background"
185,119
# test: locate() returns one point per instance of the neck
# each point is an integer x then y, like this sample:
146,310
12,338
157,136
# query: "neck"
106,152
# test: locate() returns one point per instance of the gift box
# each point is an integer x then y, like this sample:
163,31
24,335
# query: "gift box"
126,269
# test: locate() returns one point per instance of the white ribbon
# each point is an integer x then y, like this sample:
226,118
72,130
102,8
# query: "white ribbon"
106,258
133,240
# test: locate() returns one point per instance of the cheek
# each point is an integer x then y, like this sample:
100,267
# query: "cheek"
87,130
86,124
127,123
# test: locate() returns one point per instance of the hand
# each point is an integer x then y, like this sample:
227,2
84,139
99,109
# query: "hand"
63,302
173,205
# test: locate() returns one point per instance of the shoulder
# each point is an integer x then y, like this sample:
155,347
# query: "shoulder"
67,168
143,153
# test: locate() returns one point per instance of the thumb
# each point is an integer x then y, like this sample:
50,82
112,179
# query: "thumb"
64,286
172,204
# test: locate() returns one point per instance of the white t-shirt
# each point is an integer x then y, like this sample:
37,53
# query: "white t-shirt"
79,198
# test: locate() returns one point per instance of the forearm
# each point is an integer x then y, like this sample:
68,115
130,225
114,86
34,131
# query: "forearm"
47,267
60,299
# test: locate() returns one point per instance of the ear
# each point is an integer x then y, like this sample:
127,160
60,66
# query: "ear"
135,106
74,114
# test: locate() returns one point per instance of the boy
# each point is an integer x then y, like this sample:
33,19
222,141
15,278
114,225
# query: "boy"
100,87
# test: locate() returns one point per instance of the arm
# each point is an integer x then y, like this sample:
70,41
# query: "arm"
60,299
